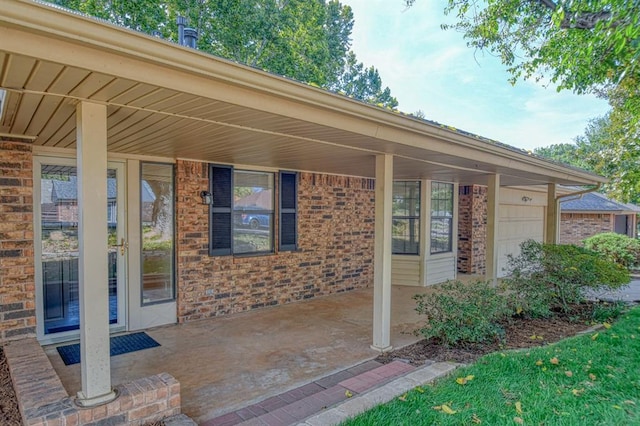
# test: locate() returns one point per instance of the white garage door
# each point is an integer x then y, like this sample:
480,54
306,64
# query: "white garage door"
517,224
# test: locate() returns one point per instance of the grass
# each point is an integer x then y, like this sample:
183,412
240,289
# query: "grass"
590,379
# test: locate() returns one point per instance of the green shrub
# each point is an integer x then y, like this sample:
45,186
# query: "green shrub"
463,313
619,248
545,277
607,311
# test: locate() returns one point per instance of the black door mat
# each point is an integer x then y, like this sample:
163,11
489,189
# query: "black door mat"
70,354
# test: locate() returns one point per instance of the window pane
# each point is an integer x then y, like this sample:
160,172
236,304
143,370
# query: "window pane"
157,224
252,212
406,233
441,217
406,217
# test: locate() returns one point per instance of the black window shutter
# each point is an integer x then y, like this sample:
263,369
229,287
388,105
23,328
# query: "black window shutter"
288,240
221,211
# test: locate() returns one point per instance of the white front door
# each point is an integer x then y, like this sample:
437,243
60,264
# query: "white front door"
56,248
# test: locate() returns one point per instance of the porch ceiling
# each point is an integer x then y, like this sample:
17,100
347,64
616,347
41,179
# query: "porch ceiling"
168,101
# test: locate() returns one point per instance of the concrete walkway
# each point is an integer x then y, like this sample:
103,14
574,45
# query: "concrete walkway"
629,293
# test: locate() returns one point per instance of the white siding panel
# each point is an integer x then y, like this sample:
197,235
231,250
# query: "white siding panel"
405,270
440,269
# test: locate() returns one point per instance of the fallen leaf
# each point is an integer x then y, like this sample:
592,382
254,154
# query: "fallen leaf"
577,392
518,420
403,398
568,373
539,362
519,407
518,310
617,407
592,376
629,402
461,380
470,377
348,393
595,336
544,368
606,325
554,361
447,409
437,407
419,389
475,419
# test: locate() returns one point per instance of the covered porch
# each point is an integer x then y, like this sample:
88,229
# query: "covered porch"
228,363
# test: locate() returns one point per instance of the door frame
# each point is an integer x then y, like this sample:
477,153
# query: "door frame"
121,232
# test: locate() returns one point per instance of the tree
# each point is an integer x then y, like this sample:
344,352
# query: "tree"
565,153
363,83
608,152
604,149
306,40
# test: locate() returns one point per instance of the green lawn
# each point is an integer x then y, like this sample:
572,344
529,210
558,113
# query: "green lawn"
592,379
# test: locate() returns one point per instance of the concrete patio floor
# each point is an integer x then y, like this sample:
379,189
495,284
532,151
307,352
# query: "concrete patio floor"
226,363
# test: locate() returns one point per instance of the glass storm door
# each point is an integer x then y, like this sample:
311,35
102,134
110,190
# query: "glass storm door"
58,255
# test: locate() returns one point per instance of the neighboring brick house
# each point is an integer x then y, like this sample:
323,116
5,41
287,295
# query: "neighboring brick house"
162,143
593,213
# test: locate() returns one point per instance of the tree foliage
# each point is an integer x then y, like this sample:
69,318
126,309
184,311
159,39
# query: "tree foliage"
578,44
306,40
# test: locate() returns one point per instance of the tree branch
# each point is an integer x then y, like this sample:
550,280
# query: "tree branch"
578,20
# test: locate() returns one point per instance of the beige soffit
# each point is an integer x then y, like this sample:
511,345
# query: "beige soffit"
124,53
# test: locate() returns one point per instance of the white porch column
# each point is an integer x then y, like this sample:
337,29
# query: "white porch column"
551,234
493,219
91,125
382,254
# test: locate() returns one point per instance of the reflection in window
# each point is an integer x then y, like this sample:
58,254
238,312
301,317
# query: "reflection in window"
406,218
441,217
252,212
157,224
59,249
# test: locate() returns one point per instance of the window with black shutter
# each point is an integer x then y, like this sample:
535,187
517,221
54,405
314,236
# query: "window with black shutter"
242,212
288,240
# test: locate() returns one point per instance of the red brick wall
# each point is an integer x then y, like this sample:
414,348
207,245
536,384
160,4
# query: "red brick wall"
472,229
335,235
17,289
575,227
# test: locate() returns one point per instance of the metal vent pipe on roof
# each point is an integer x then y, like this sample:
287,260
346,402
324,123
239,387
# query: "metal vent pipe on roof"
181,21
186,36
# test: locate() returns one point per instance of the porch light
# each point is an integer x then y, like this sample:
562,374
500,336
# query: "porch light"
207,198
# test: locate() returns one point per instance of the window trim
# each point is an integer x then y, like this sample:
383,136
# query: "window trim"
450,218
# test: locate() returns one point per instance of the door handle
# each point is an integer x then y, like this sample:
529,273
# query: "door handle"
123,246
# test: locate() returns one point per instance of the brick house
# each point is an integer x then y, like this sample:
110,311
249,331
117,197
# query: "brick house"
352,195
593,213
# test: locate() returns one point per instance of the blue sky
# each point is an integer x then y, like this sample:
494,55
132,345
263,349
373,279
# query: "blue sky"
433,70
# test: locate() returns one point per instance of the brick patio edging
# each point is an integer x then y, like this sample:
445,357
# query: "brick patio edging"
43,401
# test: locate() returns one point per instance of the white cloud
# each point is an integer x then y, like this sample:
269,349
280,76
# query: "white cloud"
434,71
